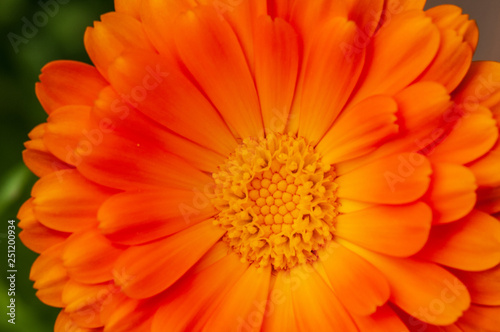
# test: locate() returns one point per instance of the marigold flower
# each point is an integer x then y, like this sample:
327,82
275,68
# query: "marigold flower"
269,165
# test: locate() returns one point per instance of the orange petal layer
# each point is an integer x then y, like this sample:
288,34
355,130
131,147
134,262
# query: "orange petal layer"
137,217
276,67
325,89
395,179
360,287
65,201
451,199
432,295
154,267
359,129
197,296
471,244
146,80
80,82
398,231
78,257
213,55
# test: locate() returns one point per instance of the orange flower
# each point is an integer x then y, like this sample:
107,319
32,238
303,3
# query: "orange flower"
269,165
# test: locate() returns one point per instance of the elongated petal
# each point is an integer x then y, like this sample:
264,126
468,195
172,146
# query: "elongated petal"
80,82
138,217
451,199
156,266
244,305
34,235
358,130
471,244
397,231
198,295
148,81
432,295
394,179
483,286
472,137
77,257
315,306
360,287
67,202
276,67
325,91
411,42
113,35
69,125
50,276
211,52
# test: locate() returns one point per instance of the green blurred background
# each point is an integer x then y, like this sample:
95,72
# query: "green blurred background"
62,38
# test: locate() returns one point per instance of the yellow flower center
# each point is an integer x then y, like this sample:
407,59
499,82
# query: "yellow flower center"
276,200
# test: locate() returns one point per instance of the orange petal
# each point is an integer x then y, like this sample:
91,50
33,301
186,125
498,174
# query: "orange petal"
471,244
138,217
90,264
396,7
198,295
398,231
451,199
485,169
146,81
452,61
37,157
244,305
129,7
480,318
279,311
419,122
160,16
276,67
84,303
67,202
381,321
49,276
243,16
64,323
156,266
315,306
67,124
80,82
395,179
480,87
42,163
359,286
411,42
483,286
212,53
450,17
34,235
424,290
133,315
472,137
112,36
137,164
325,89
111,115
359,130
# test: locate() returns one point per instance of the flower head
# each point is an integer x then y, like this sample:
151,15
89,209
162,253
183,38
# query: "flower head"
277,165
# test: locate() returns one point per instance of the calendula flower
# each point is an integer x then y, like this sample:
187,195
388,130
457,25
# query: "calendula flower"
269,165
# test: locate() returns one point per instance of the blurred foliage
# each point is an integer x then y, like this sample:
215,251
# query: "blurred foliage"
61,37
